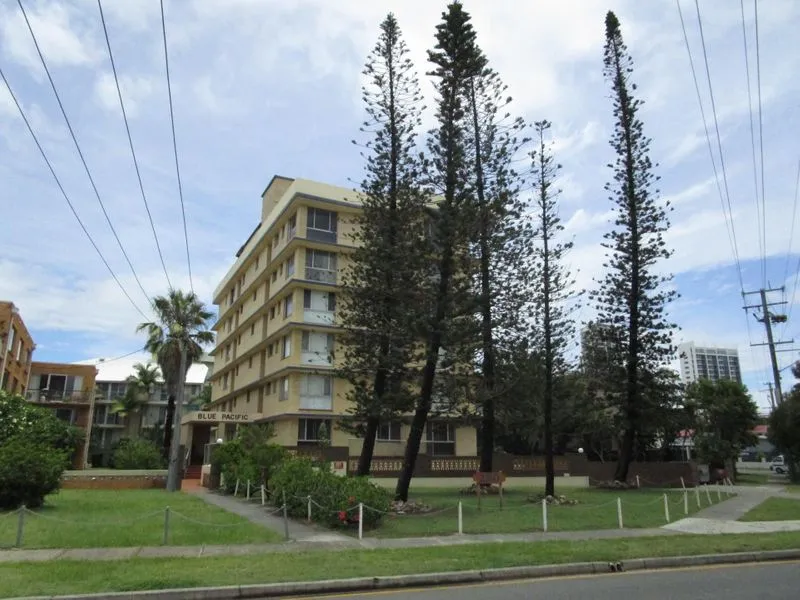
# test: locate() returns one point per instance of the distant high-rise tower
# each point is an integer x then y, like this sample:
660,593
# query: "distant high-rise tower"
708,363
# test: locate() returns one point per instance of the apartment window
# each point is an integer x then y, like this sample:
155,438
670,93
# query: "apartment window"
19,350
316,385
283,389
441,439
321,225
272,312
290,266
225,381
269,350
247,397
323,301
258,260
232,297
321,343
288,306
260,408
250,363
252,329
229,325
274,276
308,430
237,370
291,227
255,295
389,432
321,266
287,346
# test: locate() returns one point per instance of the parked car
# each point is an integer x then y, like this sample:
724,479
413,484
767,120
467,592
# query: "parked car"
778,465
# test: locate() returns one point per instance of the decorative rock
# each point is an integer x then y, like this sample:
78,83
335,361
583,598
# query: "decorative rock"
553,500
615,485
411,507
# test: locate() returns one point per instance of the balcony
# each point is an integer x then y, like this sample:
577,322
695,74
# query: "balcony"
321,235
314,358
321,275
323,317
309,402
58,396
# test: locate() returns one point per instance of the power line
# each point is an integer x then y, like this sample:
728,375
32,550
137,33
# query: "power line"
788,254
761,238
66,197
130,142
728,222
78,147
175,145
761,145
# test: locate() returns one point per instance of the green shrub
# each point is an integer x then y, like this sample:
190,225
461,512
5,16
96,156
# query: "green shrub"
335,498
29,471
249,457
137,454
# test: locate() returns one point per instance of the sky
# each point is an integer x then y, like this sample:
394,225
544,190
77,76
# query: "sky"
265,87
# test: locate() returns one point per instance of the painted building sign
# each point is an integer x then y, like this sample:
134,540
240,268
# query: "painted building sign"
220,417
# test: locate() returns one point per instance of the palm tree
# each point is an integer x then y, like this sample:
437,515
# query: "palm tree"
141,386
181,320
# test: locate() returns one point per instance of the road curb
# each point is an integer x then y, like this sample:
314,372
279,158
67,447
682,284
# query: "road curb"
366,584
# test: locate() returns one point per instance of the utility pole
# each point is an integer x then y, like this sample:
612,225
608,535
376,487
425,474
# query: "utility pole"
771,394
175,464
768,318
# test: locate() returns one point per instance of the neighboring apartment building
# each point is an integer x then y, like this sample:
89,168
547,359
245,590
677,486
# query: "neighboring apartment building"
16,347
708,363
112,382
276,333
69,391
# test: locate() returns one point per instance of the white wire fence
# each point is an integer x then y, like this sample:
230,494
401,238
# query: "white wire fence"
25,517
670,505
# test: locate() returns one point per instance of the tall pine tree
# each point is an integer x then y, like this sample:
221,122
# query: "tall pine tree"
455,63
499,232
553,284
383,283
632,298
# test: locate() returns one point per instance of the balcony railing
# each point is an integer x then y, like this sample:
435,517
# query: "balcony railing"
321,235
66,397
321,275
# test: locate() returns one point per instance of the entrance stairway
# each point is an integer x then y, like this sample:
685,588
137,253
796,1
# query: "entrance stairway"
193,472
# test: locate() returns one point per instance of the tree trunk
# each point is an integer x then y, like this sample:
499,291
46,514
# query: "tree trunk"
428,374
168,424
487,343
550,477
625,455
368,448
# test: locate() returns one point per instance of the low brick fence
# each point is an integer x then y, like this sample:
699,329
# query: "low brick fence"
651,474
114,482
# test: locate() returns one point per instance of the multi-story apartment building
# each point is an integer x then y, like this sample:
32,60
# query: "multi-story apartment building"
708,363
69,391
16,350
111,384
276,334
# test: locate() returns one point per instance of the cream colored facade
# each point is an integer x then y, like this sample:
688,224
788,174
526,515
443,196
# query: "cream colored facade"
276,332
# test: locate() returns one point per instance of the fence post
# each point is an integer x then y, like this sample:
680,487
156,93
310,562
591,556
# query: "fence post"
460,518
285,518
544,515
263,495
619,512
638,485
683,483
166,526
719,494
666,508
685,502
360,520
708,495
309,509
20,525
247,493
236,488
697,494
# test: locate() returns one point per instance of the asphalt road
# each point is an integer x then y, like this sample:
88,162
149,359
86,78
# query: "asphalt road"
780,581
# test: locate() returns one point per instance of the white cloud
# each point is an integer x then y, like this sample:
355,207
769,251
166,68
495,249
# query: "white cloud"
62,42
135,90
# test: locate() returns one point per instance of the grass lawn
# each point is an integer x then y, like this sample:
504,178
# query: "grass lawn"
775,509
95,518
752,479
597,509
80,577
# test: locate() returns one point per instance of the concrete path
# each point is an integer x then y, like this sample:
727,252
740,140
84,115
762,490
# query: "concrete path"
733,509
255,513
